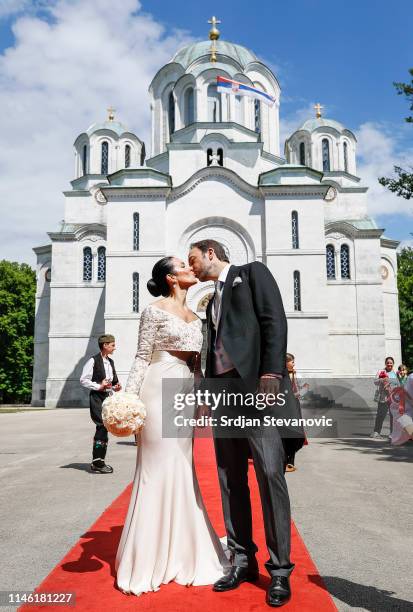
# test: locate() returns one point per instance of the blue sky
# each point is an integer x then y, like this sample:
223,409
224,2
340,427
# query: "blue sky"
344,55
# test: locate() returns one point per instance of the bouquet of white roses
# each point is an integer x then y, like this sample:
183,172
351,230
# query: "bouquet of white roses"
123,414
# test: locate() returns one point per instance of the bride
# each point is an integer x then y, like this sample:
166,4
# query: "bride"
167,534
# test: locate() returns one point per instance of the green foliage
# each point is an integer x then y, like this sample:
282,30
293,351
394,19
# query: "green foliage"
405,286
406,89
17,311
403,185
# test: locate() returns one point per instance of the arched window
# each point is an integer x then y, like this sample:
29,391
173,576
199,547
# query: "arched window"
209,157
189,111
345,261
84,160
135,292
101,264
326,154
330,262
302,153
104,158
345,155
220,154
171,113
239,114
87,264
297,290
143,154
294,229
136,231
257,116
214,103
127,156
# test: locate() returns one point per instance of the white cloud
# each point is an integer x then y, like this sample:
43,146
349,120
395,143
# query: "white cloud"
378,152
11,7
291,122
58,78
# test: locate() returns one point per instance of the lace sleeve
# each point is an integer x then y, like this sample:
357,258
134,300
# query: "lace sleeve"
146,338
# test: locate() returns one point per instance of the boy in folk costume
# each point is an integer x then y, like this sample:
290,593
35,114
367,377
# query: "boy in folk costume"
99,376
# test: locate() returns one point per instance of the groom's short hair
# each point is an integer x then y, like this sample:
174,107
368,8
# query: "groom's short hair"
219,249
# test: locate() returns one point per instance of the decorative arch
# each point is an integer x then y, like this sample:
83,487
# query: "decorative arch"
216,173
230,226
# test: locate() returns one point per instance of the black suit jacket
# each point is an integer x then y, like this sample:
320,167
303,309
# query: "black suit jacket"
253,330
253,325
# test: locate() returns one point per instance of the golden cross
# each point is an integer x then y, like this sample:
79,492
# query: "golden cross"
111,113
214,32
318,108
213,37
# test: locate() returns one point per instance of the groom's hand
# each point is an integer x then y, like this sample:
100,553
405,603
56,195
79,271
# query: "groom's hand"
202,411
269,384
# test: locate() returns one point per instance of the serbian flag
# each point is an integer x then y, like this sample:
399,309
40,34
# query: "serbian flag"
241,89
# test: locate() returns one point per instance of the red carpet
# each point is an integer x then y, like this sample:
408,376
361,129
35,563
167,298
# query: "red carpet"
88,569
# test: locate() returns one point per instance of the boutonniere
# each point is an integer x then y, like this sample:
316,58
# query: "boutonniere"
237,281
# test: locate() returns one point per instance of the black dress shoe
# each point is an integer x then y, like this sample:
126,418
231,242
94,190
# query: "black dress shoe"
101,469
233,579
279,591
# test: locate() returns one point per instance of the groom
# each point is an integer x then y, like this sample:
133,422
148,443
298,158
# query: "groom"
247,336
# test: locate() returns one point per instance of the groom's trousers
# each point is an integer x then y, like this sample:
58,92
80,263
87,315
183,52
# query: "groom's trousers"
269,457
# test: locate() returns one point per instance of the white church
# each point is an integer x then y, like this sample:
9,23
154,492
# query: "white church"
216,170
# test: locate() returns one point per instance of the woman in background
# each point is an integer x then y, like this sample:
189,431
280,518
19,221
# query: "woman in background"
384,381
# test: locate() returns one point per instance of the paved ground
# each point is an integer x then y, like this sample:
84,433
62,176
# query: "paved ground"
352,502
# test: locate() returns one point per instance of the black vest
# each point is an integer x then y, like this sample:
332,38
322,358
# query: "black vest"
99,370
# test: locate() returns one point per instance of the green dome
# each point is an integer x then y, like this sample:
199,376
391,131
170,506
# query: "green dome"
312,124
192,52
115,126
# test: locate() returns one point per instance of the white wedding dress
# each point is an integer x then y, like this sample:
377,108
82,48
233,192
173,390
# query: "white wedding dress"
167,534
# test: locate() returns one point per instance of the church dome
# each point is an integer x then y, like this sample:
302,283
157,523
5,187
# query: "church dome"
319,122
190,53
106,147
323,144
114,126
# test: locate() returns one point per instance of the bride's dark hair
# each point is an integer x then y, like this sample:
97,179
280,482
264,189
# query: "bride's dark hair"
158,285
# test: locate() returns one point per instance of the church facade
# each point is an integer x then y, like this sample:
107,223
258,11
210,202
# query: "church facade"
216,170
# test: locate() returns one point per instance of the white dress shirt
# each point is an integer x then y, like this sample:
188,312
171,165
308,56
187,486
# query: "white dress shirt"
221,359
87,373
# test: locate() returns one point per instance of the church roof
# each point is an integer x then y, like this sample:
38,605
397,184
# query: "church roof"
115,126
192,52
312,124
365,223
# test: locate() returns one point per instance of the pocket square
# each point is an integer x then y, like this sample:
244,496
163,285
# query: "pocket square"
237,281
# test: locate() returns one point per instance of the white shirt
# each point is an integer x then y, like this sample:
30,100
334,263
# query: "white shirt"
221,359
87,373
216,315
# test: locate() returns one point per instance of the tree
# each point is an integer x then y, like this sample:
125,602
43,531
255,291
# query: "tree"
17,310
403,185
405,287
